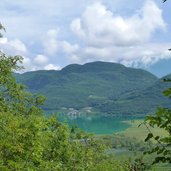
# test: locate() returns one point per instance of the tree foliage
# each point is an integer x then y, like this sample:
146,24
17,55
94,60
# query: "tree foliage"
162,119
31,141
1,28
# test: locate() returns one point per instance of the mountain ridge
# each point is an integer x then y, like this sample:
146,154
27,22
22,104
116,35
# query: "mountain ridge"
92,85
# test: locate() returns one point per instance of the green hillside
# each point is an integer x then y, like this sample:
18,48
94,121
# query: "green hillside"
108,88
140,101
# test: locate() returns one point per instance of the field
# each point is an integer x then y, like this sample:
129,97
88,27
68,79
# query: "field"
140,132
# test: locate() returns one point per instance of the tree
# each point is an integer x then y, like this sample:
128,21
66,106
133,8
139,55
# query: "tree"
31,141
162,119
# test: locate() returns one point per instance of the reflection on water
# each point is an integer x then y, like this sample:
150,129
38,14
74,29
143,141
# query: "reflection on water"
97,124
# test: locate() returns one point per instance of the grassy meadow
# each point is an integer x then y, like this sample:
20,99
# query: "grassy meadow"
139,131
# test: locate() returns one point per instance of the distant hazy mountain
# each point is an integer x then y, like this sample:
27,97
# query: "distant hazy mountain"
108,88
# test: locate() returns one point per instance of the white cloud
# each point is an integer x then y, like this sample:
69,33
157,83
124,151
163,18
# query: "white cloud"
13,47
3,41
69,48
40,60
52,67
100,33
53,46
34,62
135,56
99,27
18,45
112,37
26,61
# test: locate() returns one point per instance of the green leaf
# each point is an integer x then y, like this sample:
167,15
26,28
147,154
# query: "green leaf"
149,136
157,137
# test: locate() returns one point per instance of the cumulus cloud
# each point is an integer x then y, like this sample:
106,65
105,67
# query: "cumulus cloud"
18,45
15,47
53,46
107,36
40,60
52,67
98,33
99,27
142,55
111,37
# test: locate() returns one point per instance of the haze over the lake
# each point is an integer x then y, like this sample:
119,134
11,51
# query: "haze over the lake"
52,34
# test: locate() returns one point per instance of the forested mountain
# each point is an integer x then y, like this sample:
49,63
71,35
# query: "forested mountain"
107,88
140,101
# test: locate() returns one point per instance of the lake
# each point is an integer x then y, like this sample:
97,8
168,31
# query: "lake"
98,124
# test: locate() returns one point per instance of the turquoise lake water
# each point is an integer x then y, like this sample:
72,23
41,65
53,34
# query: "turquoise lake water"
97,124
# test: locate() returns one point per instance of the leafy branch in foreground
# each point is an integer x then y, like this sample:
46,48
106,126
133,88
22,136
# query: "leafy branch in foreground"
162,119
2,28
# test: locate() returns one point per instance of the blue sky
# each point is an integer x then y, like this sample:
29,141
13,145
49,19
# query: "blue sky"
52,34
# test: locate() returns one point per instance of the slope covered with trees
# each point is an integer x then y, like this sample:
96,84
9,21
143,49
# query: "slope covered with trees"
140,101
99,85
